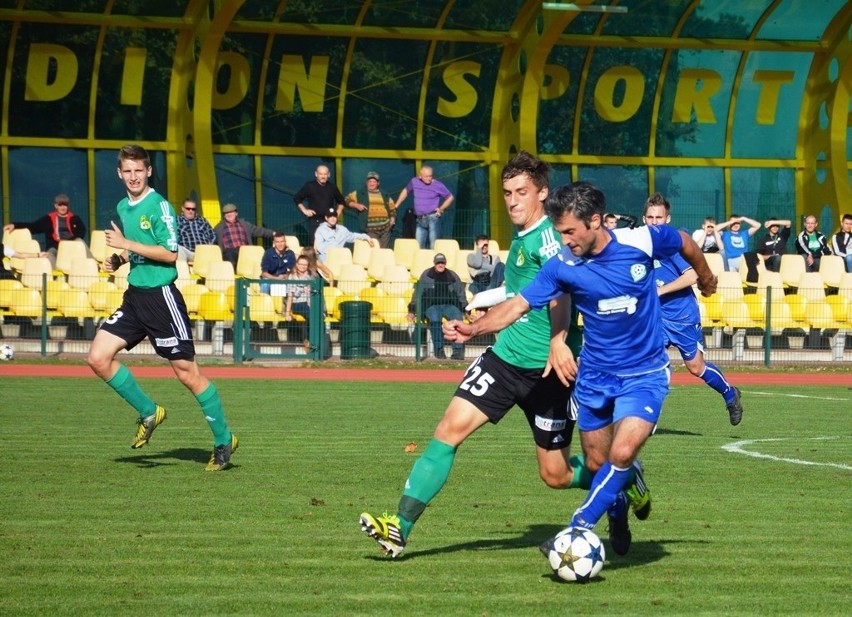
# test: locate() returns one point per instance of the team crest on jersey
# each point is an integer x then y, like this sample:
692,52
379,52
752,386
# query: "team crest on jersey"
657,264
520,260
144,223
638,272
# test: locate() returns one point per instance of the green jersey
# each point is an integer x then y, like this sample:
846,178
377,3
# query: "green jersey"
151,221
526,343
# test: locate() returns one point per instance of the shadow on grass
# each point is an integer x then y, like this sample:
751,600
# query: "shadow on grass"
642,552
672,431
155,459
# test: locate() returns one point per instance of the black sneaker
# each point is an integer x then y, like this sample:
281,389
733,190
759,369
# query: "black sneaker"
735,408
619,529
221,457
458,354
440,354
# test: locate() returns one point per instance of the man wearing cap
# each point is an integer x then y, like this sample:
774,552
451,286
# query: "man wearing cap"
61,224
441,295
371,211
321,195
193,229
331,234
431,199
232,233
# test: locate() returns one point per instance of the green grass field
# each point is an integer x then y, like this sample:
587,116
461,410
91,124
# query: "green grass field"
91,527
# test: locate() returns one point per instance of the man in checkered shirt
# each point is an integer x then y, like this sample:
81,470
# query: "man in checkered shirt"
193,229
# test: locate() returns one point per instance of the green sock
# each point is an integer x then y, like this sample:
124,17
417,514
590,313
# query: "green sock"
125,385
211,405
427,478
582,477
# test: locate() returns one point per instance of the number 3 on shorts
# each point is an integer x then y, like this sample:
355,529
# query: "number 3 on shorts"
477,382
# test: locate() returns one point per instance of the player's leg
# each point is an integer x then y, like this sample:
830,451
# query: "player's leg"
688,339
119,331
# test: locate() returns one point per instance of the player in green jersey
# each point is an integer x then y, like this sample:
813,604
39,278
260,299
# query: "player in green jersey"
514,371
152,308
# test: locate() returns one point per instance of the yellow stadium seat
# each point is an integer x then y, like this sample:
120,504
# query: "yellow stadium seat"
396,281
404,250
353,278
770,280
811,287
28,247
393,310
449,247
54,292
67,253
100,296
293,244
380,259
330,298
213,306
18,239
730,286
220,276
735,314
845,287
7,286
423,260
797,305
713,306
819,315
98,247
792,268
26,302
262,309
34,271
831,270
336,258
716,262
205,254
493,247
84,271
192,293
248,261
75,303
361,251
839,308
184,276
459,266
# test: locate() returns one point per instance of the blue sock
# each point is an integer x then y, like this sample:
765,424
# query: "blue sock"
607,484
714,378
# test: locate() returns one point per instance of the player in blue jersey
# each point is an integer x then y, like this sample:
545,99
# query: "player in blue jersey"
624,367
681,319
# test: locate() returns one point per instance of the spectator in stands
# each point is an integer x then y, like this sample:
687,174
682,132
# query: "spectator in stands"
315,267
841,242
812,244
193,229
331,234
735,240
486,270
708,238
371,211
299,296
277,262
61,224
774,244
610,220
442,295
431,199
232,233
322,195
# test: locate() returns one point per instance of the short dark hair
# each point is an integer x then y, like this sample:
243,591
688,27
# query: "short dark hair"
134,152
526,163
582,199
480,237
657,199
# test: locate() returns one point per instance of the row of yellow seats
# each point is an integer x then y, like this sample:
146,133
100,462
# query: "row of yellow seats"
789,311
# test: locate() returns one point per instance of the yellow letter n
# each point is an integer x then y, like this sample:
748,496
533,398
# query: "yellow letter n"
310,83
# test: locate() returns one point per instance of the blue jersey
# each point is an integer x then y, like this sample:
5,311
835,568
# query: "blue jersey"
616,293
736,243
680,305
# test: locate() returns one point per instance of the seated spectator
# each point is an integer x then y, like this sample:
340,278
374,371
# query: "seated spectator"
299,297
315,267
812,244
331,234
442,295
371,210
8,251
193,229
610,220
774,244
277,261
841,242
61,224
232,233
708,237
735,240
486,270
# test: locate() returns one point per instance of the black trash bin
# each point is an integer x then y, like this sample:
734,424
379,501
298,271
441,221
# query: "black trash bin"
355,330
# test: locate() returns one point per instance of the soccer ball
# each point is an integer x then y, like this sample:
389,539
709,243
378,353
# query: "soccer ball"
6,352
576,555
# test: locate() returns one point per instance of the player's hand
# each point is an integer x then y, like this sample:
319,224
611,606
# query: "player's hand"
561,361
457,331
114,238
707,285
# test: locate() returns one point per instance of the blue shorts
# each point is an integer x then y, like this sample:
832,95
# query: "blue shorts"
687,337
600,399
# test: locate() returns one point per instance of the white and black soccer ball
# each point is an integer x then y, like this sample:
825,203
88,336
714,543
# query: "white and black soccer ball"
6,352
577,555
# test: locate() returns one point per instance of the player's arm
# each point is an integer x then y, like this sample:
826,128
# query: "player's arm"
115,239
704,276
687,279
561,358
502,315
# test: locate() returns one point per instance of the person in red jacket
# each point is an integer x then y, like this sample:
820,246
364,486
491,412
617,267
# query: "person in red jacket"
61,224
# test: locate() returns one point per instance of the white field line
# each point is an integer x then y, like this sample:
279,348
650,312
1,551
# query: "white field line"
738,447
